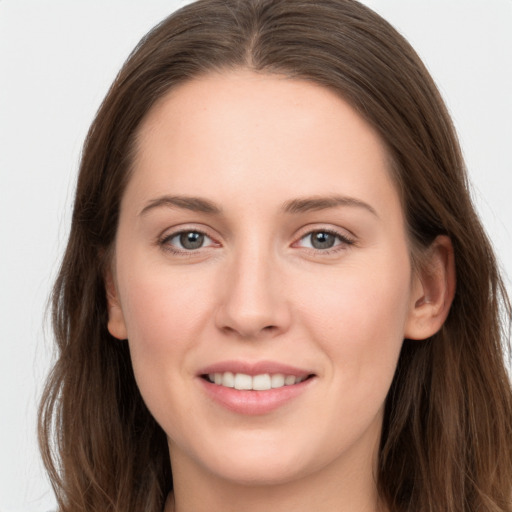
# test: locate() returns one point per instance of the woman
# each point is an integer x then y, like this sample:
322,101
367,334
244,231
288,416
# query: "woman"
275,282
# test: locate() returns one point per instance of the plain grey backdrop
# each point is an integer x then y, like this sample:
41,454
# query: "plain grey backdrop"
57,59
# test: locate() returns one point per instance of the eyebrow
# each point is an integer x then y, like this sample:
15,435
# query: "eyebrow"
299,205
195,204
315,203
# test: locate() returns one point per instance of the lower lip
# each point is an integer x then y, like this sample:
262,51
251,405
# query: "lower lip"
254,402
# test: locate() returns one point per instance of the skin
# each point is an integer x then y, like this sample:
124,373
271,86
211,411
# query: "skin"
258,290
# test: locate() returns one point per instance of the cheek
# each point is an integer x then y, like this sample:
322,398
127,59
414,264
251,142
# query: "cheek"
164,313
359,317
359,325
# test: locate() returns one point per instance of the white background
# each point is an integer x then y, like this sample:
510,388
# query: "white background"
57,59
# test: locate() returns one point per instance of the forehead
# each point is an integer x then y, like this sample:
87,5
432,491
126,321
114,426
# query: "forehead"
251,100
251,133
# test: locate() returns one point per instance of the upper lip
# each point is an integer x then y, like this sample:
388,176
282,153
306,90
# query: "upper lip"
254,368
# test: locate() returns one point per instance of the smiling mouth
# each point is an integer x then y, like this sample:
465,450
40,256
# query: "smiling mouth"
261,382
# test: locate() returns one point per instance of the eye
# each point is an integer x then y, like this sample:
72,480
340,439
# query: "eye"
322,240
185,241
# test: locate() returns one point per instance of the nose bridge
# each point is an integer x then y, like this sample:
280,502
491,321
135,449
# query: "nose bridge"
253,301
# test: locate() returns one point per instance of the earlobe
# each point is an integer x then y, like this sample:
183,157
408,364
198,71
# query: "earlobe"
432,291
116,324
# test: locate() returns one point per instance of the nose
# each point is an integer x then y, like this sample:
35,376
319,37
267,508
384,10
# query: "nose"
252,302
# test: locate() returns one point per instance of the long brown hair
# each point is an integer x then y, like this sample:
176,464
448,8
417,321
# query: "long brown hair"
447,432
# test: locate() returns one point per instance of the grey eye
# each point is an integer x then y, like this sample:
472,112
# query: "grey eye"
322,240
191,240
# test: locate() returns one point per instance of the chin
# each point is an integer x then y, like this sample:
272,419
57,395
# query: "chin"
260,472
263,462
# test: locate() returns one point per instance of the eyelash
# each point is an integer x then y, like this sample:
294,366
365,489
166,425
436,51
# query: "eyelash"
343,240
164,242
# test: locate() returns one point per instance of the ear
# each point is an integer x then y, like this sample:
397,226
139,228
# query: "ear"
432,291
116,324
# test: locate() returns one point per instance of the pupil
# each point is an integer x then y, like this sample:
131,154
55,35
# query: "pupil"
322,240
191,240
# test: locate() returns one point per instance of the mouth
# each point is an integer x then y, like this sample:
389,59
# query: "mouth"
259,382
255,387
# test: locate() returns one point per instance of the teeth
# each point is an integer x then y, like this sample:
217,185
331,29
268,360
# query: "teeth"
289,380
243,381
228,380
260,382
277,380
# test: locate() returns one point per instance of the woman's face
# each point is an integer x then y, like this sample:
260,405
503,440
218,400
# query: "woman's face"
262,245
